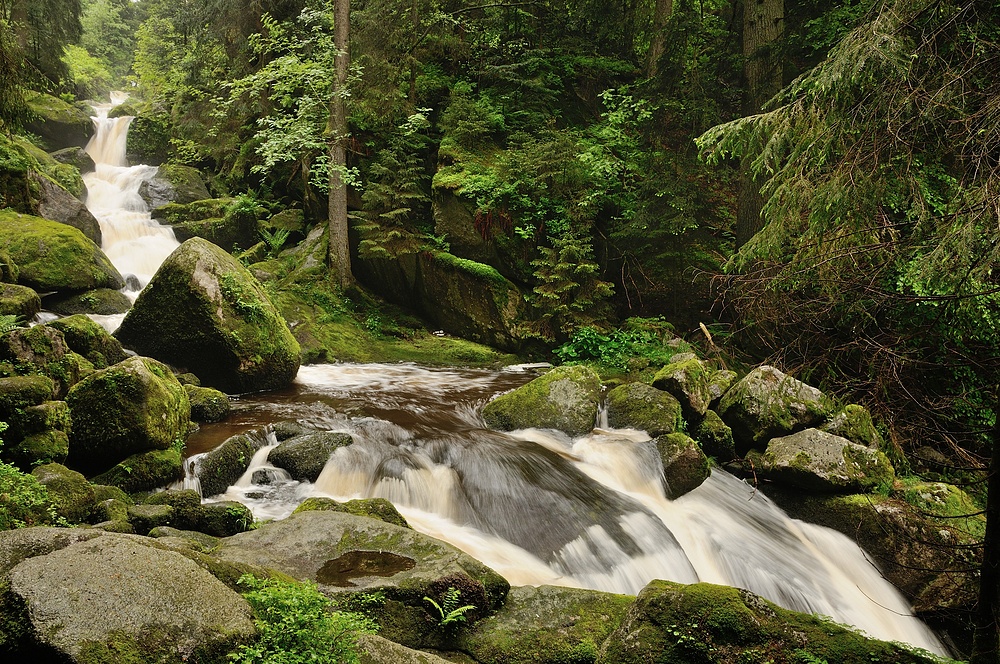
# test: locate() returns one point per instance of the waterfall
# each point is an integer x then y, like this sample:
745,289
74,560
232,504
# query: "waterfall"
135,243
541,507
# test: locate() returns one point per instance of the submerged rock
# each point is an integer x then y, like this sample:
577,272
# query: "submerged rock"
640,406
203,310
767,403
685,466
221,467
565,398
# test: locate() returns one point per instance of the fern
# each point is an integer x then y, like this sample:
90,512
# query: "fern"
450,613
9,322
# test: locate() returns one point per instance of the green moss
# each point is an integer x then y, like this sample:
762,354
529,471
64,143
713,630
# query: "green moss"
639,406
565,398
70,492
374,508
144,471
90,340
955,507
207,404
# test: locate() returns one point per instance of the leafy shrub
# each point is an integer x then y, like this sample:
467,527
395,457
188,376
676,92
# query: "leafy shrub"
638,338
296,624
24,501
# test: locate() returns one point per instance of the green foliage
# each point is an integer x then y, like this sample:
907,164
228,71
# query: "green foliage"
24,501
296,623
639,338
10,322
450,611
275,239
89,76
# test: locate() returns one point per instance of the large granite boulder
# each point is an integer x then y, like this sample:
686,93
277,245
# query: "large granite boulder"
669,622
221,467
203,310
134,406
19,301
90,340
114,598
351,556
566,398
55,257
640,406
305,456
57,123
57,204
767,403
77,157
685,466
689,380
546,625
42,350
819,461
217,220
101,301
173,183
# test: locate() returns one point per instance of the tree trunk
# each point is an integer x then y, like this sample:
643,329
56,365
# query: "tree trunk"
762,26
986,637
658,44
339,254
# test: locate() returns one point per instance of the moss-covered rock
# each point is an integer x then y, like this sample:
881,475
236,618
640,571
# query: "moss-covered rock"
19,301
101,301
565,398
77,157
90,340
373,649
58,124
110,509
688,381
193,539
50,446
767,403
144,471
719,383
685,466
148,140
221,467
203,309
56,203
146,517
854,423
42,350
374,508
55,257
671,623
221,519
819,461
217,220
715,437
546,625
305,456
20,392
639,406
131,407
177,213
173,183
9,271
207,404
70,492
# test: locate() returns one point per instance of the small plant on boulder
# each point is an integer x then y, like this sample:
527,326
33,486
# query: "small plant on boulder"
450,613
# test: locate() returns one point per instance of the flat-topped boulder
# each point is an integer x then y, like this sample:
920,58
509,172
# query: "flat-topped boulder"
565,398
203,310
58,123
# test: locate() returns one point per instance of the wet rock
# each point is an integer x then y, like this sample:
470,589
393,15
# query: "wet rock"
90,340
173,183
349,556
305,456
565,398
547,625
19,301
685,466
202,309
221,467
640,406
375,508
818,461
57,204
144,471
55,257
119,598
715,437
57,123
207,404
131,407
767,403
688,381
101,301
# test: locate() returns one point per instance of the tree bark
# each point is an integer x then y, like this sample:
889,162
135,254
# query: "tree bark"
339,251
986,637
762,27
657,45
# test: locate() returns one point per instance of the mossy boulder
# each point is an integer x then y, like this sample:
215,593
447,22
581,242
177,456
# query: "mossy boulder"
77,157
178,213
207,404
546,625
221,467
640,406
131,407
671,623
565,398
57,123
38,428
192,539
118,598
685,466
854,423
221,519
55,257
373,649
42,350
719,383
173,183
57,204
90,340
767,403
101,301
217,220
20,392
715,437
49,446
203,309
350,557
374,508
688,380
819,461
9,272
144,471
305,456
19,301
148,140
146,517
70,492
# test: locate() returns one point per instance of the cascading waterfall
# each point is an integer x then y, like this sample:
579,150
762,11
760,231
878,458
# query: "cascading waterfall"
135,243
540,507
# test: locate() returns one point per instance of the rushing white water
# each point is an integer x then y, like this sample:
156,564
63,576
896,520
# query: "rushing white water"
135,243
540,507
